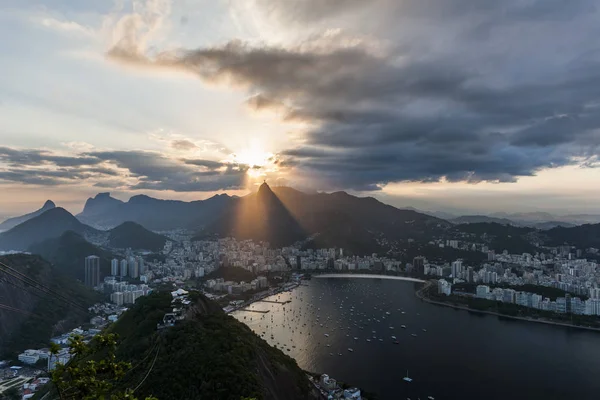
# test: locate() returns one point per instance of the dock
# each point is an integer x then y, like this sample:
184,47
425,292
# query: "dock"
275,302
257,311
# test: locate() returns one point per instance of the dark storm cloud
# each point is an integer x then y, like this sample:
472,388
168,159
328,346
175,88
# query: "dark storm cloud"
157,172
17,157
460,90
123,169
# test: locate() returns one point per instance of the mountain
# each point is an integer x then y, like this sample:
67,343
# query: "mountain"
260,216
132,235
471,219
12,222
68,252
499,237
208,355
105,212
552,224
50,224
41,315
581,236
537,216
284,215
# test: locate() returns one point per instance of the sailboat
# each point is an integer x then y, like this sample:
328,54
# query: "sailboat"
406,378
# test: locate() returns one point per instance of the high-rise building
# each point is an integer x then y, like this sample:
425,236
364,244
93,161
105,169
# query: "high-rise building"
92,271
114,267
456,268
134,271
419,265
123,268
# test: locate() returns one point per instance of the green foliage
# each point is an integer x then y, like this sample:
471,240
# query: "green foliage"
11,394
85,378
209,355
48,316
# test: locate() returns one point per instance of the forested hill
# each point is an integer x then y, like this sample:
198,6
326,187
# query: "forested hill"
209,355
41,313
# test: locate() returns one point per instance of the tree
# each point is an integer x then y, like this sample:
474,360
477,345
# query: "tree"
85,378
11,394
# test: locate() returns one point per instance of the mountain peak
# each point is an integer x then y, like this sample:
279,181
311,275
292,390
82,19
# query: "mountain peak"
264,187
48,205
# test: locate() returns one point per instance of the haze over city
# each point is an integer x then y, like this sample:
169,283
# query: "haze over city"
452,105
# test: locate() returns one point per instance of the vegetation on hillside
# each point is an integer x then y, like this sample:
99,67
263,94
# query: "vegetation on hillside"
44,314
68,252
133,235
93,372
209,355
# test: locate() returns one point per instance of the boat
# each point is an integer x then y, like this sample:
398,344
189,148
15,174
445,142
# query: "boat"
368,340
403,326
350,350
394,337
413,334
424,330
406,378
327,335
431,397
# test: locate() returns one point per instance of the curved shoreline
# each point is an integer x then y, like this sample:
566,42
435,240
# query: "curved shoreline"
371,276
421,296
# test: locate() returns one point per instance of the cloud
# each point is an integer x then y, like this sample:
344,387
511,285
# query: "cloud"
183,145
126,170
450,90
67,27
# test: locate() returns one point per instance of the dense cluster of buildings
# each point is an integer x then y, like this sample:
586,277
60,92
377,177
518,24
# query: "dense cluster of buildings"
230,287
330,389
566,304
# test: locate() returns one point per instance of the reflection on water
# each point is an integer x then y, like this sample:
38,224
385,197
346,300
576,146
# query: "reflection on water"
448,353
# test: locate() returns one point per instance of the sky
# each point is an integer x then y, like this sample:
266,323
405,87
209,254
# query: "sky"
465,106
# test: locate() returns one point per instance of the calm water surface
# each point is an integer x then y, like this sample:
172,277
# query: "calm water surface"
459,356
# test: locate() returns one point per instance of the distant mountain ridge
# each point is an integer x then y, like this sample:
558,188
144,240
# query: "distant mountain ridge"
105,212
50,224
12,222
330,219
472,219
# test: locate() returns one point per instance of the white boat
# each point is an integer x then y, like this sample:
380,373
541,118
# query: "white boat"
403,326
413,334
350,350
327,335
406,378
394,337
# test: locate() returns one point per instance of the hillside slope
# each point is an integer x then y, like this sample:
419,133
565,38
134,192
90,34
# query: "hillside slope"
50,224
132,235
12,222
43,315
68,252
209,355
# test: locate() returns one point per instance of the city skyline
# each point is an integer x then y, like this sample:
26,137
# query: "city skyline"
441,105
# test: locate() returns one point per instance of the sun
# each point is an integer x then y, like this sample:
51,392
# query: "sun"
256,158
